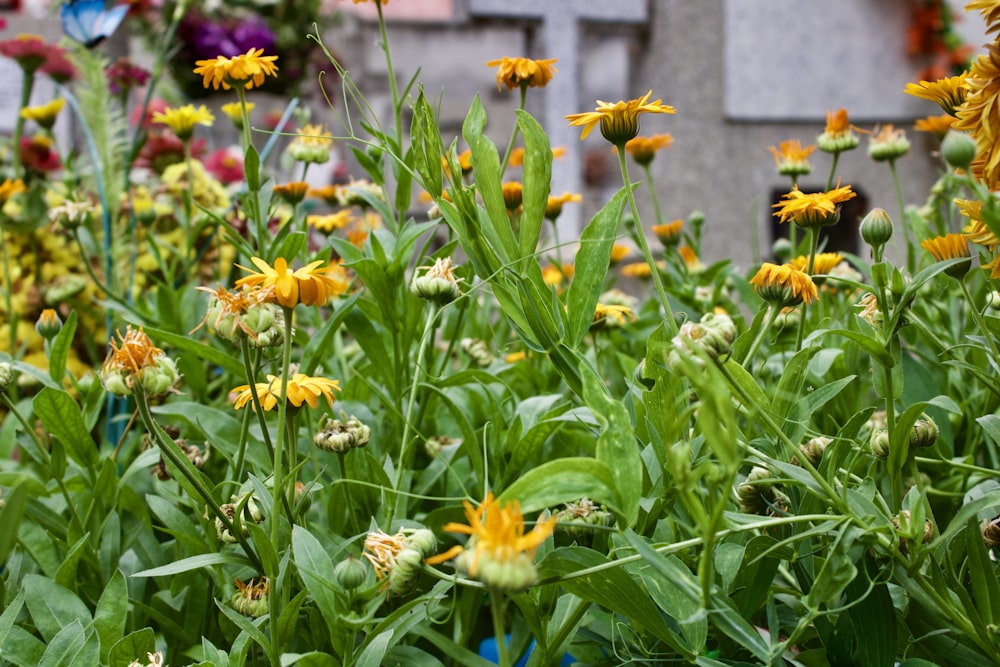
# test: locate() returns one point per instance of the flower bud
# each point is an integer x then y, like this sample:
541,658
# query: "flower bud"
6,375
350,573
478,351
903,525
958,149
72,215
48,324
924,434
437,283
341,435
404,573
251,598
879,444
993,300
782,249
506,575
888,144
876,228
812,450
439,443
991,532
158,378
423,540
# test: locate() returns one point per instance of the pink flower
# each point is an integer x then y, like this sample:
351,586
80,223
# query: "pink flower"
225,164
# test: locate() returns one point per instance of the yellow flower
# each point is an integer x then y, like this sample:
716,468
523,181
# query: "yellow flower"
791,158
516,158
512,195
498,552
11,187
183,119
817,209
332,221
555,203
292,193
619,121
989,10
949,93
637,270
951,246
44,115
246,70
235,113
643,149
311,145
936,125
515,357
301,389
822,263
611,316
838,135
977,230
669,233
783,285
554,275
523,72
134,360
979,115
309,285
690,258
619,252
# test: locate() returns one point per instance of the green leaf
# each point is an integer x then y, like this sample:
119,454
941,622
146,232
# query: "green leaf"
61,417
592,262
246,625
59,350
495,225
10,519
71,646
66,574
427,146
616,445
873,347
316,569
982,571
564,480
225,360
318,346
134,645
9,616
51,606
537,180
375,651
193,563
111,613
251,168
23,648
872,618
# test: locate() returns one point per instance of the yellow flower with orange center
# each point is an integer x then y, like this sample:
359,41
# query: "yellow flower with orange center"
643,149
950,246
523,72
311,285
301,388
499,553
824,262
183,119
246,70
619,121
936,125
783,285
555,203
811,210
792,158
949,93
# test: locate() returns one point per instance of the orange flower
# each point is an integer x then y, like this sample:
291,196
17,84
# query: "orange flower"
949,93
817,209
301,388
643,149
246,70
791,158
523,72
936,125
619,121
309,285
783,285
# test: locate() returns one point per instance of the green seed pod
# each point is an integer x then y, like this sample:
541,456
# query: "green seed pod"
351,573
876,228
924,434
958,149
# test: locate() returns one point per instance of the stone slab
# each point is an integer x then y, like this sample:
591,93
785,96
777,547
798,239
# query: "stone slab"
796,59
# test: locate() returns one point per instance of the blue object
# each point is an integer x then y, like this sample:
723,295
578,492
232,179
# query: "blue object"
89,22
488,649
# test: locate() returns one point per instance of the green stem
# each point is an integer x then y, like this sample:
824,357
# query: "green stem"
644,246
396,109
513,134
833,170
497,604
910,256
793,231
27,83
977,316
813,244
8,297
772,315
402,463
652,193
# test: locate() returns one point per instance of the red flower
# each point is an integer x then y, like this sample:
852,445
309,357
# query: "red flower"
32,53
226,165
37,155
163,149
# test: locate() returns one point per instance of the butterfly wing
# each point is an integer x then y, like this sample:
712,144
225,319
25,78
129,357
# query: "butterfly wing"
88,22
110,20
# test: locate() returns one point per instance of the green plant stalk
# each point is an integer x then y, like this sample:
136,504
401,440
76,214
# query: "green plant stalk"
895,478
27,83
813,245
427,336
8,296
188,208
772,315
241,95
652,193
644,246
910,257
396,107
251,368
497,605
833,170
978,317
513,133
169,449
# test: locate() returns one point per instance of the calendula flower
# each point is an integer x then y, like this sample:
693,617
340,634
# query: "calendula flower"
979,115
791,158
301,389
839,133
436,283
555,203
398,558
512,195
134,360
523,72
643,149
312,144
783,285
44,115
611,316
554,275
637,270
950,246
183,119
498,552
331,221
989,10
619,121
310,285
977,231
11,187
292,193
251,598
245,311
816,209
868,307
48,324
669,233
246,70
888,143
949,93
822,263
936,125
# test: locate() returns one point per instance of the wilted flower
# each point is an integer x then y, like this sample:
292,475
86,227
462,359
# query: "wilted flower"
669,233
839,133
251,597
152,660
888,144
398,558
643,149
135,360
713,335
72,214
244,312
791,158
341,435
869,309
